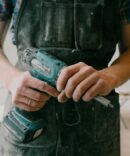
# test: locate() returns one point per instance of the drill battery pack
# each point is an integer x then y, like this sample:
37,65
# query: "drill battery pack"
26,127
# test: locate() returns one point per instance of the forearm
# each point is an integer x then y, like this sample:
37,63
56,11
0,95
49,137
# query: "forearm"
7,70
119,71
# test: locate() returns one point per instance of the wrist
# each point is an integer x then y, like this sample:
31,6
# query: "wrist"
111,78
12,74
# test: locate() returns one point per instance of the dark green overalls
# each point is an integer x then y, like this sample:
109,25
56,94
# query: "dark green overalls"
74,31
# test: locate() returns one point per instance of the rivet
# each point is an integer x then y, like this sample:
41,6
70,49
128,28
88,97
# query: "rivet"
91,13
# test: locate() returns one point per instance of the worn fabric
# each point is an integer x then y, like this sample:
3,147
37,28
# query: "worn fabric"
89,130
6,9
65,28
9,7
79,33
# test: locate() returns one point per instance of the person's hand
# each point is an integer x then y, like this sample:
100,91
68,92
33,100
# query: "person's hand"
80,81
29,93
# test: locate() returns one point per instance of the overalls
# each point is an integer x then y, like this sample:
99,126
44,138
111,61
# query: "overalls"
73,31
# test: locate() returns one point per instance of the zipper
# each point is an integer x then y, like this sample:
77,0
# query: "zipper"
18,19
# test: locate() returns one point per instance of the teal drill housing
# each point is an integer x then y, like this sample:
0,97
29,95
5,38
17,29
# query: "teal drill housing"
27,126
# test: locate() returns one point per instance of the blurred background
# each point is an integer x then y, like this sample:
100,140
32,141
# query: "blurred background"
124,92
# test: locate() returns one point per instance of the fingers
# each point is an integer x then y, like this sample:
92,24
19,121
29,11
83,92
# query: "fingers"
29,99
84,82
62,98
66,73
24,87
76,79
27,108
84,86
32,94
41,86
92,92
28,104
25,80
45,87
88,87
26,100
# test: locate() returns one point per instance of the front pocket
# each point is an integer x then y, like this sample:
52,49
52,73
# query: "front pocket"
56,24
106,120
88,25
10,149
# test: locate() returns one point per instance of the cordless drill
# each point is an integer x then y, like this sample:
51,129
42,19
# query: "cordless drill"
27,126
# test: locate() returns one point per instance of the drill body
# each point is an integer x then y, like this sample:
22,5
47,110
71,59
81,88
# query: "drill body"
27,126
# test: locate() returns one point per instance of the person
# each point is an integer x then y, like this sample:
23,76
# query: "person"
84,34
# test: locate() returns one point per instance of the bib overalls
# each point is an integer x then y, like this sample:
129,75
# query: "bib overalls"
73,31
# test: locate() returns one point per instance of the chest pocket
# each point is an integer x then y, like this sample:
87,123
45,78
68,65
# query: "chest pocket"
88,24
56,23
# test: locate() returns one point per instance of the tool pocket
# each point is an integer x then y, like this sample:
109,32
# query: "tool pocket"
88,25
56,24
106,120
8,148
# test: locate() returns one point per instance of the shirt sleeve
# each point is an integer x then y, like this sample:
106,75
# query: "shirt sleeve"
6,9
126,11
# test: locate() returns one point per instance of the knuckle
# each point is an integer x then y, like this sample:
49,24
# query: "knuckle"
23,89
35,104
90,68
89,95
24,80
49,91
20,86
44,85
96,76
68,93
38,96
81,63
40,86
26,74
71,82
86,97
86,69
101,82
18,89
66,71
47,98
80,89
